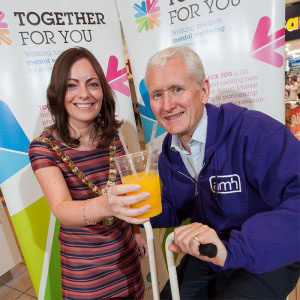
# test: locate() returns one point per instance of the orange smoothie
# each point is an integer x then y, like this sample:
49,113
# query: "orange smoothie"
150,183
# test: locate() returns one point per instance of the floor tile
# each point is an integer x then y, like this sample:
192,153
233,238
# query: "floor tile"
31,292
21,283
26,297
7,293
18,269
5,277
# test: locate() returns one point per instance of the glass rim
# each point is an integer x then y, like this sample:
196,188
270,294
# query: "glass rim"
134,154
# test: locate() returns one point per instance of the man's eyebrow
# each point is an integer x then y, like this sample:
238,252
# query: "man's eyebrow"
172,86
155,91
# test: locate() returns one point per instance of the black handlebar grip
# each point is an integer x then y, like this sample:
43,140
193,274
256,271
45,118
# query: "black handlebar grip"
209,250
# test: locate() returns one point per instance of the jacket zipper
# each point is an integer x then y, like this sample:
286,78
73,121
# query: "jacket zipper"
199,205
194,181
196,188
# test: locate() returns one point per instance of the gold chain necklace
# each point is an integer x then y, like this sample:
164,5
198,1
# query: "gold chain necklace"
112,175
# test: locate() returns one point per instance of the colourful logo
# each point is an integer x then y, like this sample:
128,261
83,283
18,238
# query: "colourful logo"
264,44
147,15
117,78
3,30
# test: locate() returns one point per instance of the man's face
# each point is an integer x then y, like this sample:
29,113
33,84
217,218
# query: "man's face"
175,98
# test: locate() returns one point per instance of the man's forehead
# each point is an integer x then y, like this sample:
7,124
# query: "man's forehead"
158,80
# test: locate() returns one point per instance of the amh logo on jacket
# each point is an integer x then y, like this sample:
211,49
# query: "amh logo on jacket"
225,184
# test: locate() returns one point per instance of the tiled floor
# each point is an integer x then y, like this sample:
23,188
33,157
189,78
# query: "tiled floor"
19,287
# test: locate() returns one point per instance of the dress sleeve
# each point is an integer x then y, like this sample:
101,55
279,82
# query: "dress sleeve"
40,155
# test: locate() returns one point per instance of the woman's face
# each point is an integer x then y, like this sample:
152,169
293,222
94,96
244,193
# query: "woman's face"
83,98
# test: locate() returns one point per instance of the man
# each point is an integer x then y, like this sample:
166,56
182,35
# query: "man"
234,173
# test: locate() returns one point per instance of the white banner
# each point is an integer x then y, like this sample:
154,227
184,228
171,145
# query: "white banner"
240,43
32,35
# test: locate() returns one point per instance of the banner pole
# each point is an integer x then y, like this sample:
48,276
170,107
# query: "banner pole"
172,268
152,262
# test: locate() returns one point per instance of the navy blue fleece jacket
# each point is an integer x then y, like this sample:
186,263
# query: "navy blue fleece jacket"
248,189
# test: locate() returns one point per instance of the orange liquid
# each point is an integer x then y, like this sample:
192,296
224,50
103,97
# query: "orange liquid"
150,183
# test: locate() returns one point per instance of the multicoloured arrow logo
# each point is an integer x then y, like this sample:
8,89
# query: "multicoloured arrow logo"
147,15
264,44
3,30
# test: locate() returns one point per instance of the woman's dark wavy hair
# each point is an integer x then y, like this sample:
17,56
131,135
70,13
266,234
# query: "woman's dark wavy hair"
105,123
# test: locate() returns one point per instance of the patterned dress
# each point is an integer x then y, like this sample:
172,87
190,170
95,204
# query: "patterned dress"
96,262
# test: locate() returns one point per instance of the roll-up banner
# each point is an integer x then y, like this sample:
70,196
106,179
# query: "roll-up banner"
32,35
240,43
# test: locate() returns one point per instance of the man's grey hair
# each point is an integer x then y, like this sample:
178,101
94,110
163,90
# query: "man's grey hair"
189,56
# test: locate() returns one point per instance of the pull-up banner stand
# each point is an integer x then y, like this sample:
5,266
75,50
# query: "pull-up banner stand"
32,35
239,41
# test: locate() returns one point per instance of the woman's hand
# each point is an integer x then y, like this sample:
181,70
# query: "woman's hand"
188,238
118,203
142,244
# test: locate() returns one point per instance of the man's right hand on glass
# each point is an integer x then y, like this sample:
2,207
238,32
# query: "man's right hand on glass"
118,203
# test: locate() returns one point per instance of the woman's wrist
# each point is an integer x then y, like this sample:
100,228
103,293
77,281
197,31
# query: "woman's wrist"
94,210
85,218
102,206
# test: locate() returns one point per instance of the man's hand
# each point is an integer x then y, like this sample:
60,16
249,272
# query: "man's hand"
118,204
142,244
188,238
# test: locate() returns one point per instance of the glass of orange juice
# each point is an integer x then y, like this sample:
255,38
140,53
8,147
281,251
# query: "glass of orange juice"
133,170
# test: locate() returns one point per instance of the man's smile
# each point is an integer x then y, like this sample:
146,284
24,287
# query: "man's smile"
169,118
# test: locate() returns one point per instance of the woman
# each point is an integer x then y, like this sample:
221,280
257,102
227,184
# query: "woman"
73,162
